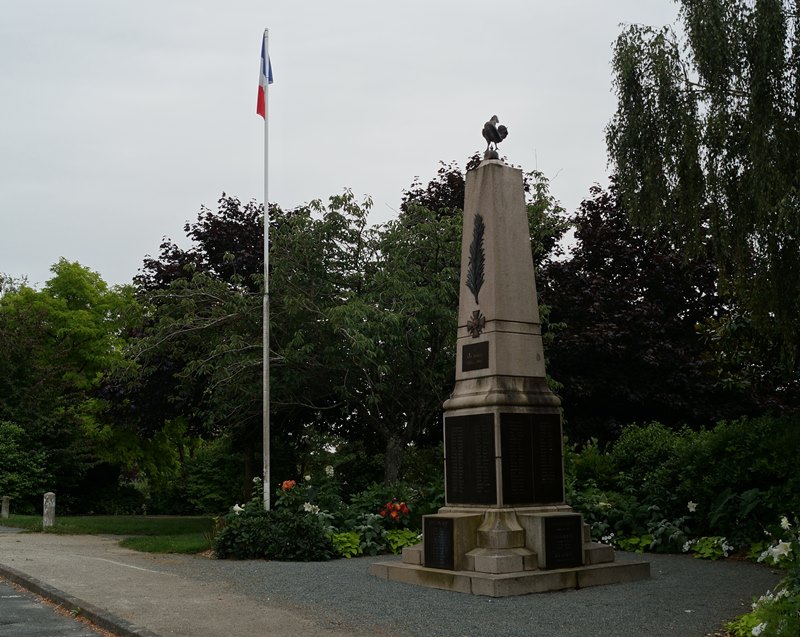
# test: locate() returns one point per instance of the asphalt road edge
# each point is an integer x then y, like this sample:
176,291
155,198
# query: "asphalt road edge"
97,616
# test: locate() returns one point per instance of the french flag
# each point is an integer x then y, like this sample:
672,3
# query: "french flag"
264,78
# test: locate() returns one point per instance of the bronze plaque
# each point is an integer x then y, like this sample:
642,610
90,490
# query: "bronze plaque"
475,356
563,541
516,449
470,461
437,537
548,469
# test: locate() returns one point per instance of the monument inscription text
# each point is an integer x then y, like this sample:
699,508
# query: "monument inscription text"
437,535
470,459
563,538
475,356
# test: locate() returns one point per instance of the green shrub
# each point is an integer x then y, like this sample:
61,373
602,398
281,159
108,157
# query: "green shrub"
588,463
420,499
635,544
297,537
742,473
677,485
709,548
243,536
347,543
642,448
287,533
777,613
398,539
279,534
371,530
213,477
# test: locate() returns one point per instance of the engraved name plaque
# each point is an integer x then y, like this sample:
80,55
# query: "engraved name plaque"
563,539
548,472
516,448
437,535
470,459
475,356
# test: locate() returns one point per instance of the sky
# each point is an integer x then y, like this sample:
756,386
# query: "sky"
120,120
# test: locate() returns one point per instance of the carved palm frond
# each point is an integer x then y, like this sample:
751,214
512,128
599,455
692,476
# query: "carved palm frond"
476,258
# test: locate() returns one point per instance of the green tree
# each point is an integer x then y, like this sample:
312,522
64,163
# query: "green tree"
704,141
362,325
626,307
397,334
199,356
57,344
21,464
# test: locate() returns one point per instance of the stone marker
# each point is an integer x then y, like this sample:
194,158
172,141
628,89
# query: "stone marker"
49,510
6,506
505,528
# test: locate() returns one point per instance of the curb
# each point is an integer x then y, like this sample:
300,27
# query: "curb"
97,616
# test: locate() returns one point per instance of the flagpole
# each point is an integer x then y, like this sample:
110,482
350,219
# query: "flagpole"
265,336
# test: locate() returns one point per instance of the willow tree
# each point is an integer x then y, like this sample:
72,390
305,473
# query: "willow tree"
705,144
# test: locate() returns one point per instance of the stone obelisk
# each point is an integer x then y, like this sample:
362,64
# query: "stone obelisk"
505,528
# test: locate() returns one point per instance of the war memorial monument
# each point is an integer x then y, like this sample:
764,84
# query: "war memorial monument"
505,528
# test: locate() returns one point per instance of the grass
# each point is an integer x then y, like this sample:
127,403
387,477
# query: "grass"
183,543
153,534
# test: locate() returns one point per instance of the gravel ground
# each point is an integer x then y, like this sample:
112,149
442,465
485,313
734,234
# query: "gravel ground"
192,595
685,597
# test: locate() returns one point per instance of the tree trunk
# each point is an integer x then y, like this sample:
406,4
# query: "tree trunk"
393,460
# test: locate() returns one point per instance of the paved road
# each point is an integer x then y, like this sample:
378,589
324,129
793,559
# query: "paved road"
23,614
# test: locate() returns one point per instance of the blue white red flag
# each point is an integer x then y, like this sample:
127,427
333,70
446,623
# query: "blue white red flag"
264,78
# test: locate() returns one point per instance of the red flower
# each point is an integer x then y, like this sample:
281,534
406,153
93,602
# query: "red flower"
404,508
288,485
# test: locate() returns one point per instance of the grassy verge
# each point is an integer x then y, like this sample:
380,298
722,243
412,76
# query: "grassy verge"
184,543
154,534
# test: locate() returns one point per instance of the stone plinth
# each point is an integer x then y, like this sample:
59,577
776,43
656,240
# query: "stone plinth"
5,508
509,584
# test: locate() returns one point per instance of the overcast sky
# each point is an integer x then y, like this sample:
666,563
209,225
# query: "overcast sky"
119,120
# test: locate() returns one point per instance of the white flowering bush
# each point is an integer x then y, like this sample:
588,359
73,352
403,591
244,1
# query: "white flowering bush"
708,548
777,612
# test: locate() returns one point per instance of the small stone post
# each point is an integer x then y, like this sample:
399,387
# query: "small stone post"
6,505
49,512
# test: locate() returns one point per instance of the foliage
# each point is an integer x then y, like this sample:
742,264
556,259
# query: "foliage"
278,534
185,543
115,525
245,535
21,466
379,499
635,544
210,476
57,344
680,485
709,548
703,142
347,543
777,613
624,309
372,533
395,513
398,539
748,362
294,530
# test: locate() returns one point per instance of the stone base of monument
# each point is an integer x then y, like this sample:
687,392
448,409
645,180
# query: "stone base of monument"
505,552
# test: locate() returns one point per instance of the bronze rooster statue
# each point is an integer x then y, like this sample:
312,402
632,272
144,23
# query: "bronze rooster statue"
493,134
